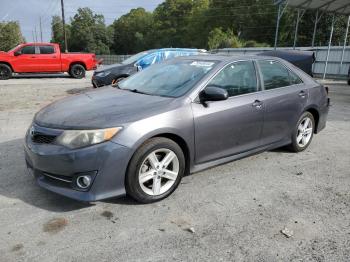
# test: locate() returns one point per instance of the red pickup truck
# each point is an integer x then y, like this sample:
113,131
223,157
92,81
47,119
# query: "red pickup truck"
44,58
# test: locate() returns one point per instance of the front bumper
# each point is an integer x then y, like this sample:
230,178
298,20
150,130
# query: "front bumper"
98,81
55,168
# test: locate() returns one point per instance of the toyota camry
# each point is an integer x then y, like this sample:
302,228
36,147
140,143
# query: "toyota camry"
179,117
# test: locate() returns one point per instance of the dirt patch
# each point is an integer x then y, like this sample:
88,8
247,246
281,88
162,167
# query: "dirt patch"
17,247
55,225
107,214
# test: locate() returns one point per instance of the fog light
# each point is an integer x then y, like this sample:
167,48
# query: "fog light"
83,182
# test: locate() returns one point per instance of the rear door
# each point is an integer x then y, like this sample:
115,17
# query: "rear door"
284,97
232,126
48,59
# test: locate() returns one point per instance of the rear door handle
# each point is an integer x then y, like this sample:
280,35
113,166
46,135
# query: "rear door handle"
257,104
302,94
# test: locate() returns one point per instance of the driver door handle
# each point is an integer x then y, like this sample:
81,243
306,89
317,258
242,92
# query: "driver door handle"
302,94
257,104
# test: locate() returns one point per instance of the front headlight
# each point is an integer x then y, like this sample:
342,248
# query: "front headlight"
81,138
103,73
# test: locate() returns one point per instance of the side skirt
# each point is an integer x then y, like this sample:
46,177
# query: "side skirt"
217,162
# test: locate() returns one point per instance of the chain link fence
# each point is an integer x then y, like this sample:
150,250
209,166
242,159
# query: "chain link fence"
112,59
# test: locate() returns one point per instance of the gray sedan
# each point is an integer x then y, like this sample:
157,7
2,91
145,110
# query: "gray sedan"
185,115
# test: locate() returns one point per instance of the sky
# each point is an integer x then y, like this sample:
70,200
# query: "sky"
28,12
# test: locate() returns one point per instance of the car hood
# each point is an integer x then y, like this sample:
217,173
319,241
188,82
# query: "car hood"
114,67
101,109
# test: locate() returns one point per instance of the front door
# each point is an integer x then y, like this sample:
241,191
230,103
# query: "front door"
25,62
232,126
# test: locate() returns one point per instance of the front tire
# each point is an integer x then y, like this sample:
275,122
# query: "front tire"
77,71
303,133
5,72
155,170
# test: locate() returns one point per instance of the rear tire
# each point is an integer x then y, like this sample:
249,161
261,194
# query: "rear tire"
77,71
155,170
5,72
303,132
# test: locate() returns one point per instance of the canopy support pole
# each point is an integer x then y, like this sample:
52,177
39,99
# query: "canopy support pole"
344,46
281,10
296,29
317,20
329,47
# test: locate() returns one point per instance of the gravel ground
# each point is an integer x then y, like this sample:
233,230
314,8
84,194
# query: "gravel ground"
234,212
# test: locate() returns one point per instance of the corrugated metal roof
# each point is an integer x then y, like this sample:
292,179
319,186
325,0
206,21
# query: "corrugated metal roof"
330,6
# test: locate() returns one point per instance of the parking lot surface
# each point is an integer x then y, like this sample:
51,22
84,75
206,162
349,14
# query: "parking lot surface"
234,212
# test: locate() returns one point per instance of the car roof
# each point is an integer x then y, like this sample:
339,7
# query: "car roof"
227,58
175,49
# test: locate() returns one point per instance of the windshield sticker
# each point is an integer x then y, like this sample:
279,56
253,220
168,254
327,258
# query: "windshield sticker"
202,64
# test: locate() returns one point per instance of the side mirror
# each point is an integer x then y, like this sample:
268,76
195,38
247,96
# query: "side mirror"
138,67
212,93
17,53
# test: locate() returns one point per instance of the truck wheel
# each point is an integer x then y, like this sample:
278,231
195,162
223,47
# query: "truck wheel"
5,72
77,71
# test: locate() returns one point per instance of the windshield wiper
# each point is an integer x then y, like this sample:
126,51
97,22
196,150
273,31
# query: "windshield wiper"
137,91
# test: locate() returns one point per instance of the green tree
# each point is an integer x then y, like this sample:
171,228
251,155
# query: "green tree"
220,39
57,31
180,23
10,35
89,33
133,32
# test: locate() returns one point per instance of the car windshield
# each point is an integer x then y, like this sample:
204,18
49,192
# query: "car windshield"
171,80
133,59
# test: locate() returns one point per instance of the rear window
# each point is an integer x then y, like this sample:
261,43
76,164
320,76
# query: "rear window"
47,49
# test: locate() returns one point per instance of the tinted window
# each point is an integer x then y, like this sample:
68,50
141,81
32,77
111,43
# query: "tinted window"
148,60
28,50
134,58
46,49
237,79
294,79
168,79
274,74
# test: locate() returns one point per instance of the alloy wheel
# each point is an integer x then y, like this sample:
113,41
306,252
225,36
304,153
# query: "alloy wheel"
159,172
305,131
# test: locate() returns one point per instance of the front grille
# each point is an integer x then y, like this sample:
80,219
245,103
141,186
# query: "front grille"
39,138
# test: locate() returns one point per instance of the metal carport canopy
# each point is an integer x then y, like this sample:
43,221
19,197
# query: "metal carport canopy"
334,7
329,6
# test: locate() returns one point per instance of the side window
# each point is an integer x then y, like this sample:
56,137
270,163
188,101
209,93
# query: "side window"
294,79
46,49
28,50
274,74
237,78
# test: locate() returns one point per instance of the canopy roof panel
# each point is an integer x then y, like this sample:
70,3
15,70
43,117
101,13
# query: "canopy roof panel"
329,6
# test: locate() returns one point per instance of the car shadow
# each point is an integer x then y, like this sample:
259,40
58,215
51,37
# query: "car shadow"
283,149
16,183
29,76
